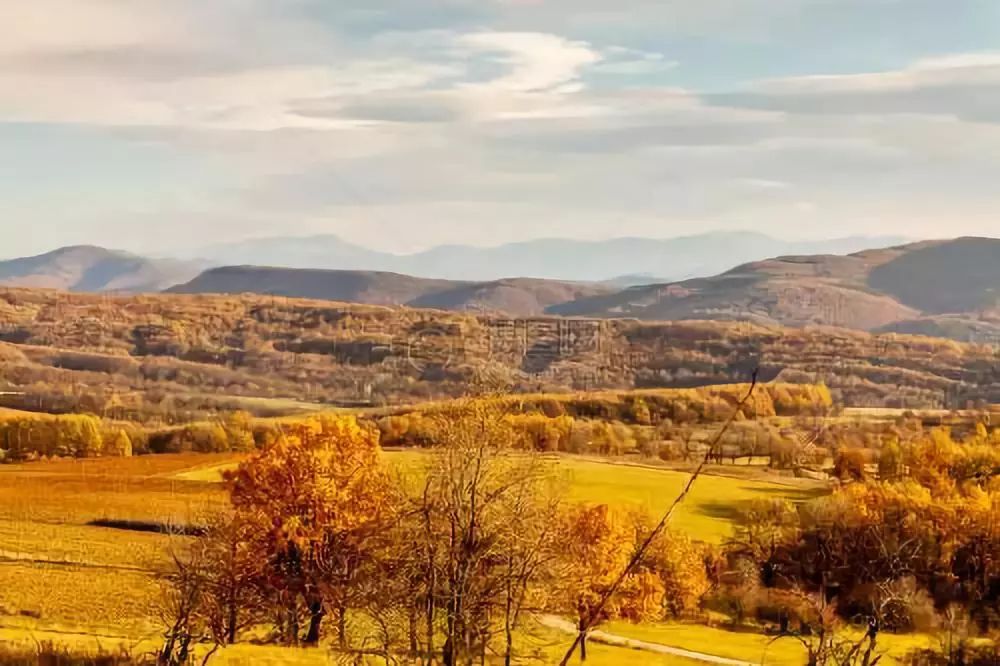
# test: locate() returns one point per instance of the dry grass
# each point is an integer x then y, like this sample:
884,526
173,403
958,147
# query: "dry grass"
95,588
6,412
538,649
93,601
80,491
708,515
56,565
757,647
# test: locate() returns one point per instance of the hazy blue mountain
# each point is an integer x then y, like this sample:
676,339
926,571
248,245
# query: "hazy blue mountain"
329,252
633,280
89,268
945,288
555,259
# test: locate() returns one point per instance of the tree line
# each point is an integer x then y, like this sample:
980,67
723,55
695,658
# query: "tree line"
909,542
604,424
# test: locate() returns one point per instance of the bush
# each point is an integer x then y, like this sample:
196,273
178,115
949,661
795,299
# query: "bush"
963,652
49,654
849,465
27,437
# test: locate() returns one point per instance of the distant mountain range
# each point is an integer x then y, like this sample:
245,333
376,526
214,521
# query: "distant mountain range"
89,268
515,296
553,259
942,288
939,288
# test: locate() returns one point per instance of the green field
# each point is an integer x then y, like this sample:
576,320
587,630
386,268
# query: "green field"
707,515
710,510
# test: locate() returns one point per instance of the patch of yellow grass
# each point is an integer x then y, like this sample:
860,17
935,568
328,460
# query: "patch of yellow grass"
709,513
756,647
6,412
538,648
53,563
83,544
97,600
80,491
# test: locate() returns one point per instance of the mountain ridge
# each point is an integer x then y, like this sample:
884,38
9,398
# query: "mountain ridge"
545,258
90,268
513,296
948,286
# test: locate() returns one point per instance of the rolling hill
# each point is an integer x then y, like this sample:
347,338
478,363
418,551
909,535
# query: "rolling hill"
940,288
189,356
515,296
949,288
89,268
962,275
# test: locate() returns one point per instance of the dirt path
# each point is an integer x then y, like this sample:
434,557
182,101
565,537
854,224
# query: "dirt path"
553,622
13,557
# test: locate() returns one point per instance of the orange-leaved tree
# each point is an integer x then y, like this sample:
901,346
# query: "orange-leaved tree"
669,579
678,567
598,545
316,501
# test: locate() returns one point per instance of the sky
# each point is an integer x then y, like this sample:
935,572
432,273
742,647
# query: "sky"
159,126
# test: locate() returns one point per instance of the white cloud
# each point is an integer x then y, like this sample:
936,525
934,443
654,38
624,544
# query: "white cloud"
965,85
179,65
538,62
254,99
66,26
762,184
958,61
495,126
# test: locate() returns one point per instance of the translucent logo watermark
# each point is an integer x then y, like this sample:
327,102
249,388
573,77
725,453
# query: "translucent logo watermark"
432,348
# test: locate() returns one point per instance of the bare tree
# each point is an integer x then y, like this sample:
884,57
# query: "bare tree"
822,640
482,534
182,605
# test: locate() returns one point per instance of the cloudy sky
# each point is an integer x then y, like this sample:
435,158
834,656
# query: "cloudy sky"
158,125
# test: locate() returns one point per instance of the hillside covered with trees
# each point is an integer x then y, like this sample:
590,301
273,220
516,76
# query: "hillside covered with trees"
173,358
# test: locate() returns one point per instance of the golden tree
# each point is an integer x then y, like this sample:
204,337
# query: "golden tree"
598,546
315,501
679,567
